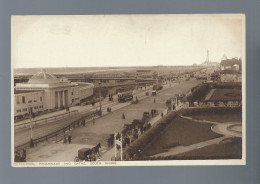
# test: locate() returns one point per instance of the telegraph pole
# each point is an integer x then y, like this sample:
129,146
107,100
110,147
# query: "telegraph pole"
31,140
121,145
115,144
100,106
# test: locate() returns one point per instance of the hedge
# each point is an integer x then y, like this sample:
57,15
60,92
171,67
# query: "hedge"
147,137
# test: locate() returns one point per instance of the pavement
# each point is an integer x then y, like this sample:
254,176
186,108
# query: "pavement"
109,123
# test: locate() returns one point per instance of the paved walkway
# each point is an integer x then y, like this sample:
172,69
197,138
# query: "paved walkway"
110,123
221,128
209,94
182,149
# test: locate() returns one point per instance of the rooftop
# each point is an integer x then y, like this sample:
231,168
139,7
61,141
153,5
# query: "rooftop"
231,62
43,78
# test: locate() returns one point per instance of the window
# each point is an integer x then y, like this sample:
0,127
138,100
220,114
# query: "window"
23,99
36,107
40,98
34,100
29,101
72,93
18,100
24,109
19,110
72,100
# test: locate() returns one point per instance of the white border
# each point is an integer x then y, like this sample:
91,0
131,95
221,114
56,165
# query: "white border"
154,162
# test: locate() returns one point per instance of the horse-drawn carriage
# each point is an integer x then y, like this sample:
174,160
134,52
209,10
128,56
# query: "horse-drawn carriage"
88,154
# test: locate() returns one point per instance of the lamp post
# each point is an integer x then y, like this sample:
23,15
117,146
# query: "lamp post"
100,106
31,139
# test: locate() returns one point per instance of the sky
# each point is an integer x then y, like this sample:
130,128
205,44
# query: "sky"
124,40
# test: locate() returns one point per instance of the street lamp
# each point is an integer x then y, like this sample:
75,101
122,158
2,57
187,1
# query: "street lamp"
31,140
100,106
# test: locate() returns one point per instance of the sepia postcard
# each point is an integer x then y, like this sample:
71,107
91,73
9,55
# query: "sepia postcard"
128,90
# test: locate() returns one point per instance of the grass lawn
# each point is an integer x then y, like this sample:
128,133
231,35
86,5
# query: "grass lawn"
230,148
179,132
227,94
228,116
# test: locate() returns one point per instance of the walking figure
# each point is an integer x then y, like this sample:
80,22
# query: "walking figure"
24,155
69,138
123,116
154,100
65,139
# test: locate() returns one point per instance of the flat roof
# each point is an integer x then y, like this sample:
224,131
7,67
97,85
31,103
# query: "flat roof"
25,91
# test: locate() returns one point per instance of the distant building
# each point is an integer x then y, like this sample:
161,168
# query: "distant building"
145,73
230,76
230,64
44,92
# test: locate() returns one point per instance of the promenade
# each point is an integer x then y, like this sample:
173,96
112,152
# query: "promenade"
109,123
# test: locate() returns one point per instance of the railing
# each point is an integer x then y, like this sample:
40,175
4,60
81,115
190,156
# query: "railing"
46,120
58,133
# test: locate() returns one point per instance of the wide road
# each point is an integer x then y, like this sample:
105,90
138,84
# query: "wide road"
22,134
99,132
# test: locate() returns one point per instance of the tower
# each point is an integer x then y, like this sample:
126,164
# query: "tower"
224,57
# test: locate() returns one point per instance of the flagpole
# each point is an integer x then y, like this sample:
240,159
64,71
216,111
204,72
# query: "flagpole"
121,147
115,144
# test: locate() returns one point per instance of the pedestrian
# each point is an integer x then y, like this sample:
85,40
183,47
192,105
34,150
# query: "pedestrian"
69,138
24,155
123,116
154,100
65,139
33,115
93,121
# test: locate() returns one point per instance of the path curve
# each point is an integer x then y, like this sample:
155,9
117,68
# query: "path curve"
224,129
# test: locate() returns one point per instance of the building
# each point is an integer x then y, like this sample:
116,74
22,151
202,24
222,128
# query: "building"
26,101
230,76
231,64
44,92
